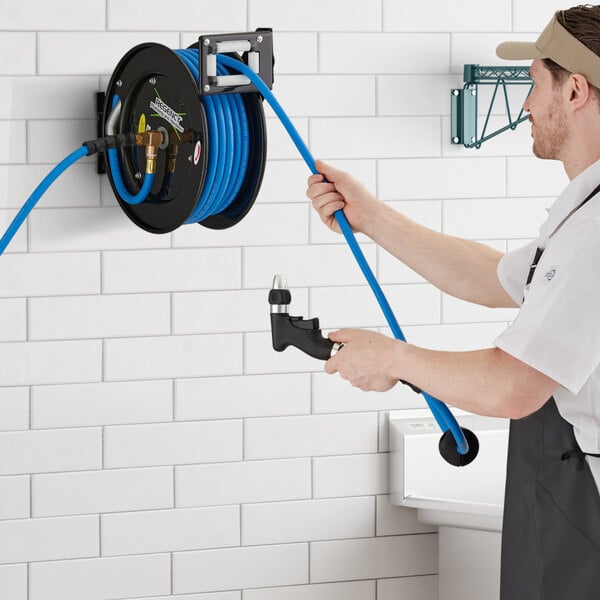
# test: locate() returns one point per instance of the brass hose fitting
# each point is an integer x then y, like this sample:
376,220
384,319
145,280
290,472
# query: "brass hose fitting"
172,157
151,140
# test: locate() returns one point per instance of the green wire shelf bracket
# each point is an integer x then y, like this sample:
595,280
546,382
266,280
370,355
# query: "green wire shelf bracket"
463,112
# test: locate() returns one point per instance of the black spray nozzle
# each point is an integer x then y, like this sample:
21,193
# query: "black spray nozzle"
286,330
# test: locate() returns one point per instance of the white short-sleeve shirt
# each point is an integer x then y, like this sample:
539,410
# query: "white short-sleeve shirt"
557,329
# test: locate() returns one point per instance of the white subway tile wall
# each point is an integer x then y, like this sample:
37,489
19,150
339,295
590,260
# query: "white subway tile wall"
152,444
13,581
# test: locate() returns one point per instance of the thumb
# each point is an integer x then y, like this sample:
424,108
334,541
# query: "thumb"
342,336
331,174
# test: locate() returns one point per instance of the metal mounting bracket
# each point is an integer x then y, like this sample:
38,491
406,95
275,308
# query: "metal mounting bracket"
256,48
464,126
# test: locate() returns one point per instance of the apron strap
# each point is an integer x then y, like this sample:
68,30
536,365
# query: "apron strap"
578,454
539,251
534,264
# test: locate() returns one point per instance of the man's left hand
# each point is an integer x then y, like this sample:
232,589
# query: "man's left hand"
366,359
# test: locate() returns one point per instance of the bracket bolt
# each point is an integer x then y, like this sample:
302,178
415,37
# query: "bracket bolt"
207,42
472,140
206,88
473,93
119,83
152,81
455,140
138,175
455,92
259,39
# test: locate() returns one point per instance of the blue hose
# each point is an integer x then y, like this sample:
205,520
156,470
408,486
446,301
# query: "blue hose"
39,191
228,139
227,165
441,413
115,169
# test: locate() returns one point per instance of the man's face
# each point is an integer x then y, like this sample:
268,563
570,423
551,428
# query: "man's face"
546,114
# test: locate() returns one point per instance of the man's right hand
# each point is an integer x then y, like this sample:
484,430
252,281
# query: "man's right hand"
332,190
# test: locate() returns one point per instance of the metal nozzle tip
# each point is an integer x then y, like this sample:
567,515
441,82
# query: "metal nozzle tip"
280,282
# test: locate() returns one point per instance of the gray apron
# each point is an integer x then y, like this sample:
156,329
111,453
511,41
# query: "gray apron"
551,527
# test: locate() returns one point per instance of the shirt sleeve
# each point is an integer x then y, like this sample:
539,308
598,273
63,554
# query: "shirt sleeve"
557,329
513,269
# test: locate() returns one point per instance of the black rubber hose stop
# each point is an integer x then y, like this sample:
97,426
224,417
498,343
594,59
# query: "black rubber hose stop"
450,453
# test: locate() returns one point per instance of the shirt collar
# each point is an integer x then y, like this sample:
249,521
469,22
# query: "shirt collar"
570,199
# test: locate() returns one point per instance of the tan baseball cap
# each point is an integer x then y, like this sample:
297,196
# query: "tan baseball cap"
557,44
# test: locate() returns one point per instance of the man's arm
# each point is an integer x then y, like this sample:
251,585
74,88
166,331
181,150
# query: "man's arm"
461,268
488,382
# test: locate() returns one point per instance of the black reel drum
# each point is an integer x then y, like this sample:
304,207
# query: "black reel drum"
158,91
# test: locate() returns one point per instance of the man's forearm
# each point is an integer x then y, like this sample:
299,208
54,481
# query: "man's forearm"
489,382
462,268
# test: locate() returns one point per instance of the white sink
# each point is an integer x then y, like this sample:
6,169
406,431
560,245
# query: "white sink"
465,503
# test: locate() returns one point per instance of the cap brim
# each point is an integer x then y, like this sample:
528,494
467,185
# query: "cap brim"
518,51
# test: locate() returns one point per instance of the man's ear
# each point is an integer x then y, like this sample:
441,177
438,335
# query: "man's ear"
577,90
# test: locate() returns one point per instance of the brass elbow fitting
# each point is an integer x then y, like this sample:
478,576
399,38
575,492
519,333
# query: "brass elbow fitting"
172,157
151,140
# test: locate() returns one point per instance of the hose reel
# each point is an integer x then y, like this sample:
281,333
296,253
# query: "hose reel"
204,162
156,88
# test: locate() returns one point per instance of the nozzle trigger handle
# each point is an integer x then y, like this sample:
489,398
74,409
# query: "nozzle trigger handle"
287,330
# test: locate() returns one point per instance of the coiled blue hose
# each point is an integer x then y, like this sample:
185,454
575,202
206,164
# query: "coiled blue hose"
441,413
229,143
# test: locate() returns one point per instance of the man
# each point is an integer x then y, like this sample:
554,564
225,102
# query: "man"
544,371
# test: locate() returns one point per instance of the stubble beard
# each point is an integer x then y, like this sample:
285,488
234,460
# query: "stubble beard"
551,134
